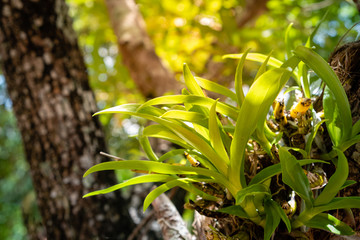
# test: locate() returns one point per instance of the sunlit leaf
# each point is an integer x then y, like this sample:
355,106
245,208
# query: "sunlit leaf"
222,108
216,88
215,136
324,71
238,79
262,68
133,181
191,83
329,223
257,57
146,146
253,111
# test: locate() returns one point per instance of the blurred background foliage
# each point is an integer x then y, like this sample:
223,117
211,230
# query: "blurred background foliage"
197,32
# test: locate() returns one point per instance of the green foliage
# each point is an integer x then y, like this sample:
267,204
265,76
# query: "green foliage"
196,32
223,135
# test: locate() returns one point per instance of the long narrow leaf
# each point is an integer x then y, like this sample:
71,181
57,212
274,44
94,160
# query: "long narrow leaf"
272,219
185,133
329,223
254,110
159,190
216,88
133,181
336,181
332,113
324,71
159,131
162,168
222,108
238,79
146,146
294,176
187,116
256,57
355,129
262,68
215,136
171,153
191,83
312,137
275,169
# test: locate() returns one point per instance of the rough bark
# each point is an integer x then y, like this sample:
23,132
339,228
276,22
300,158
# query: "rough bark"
53,103
147,70
171,222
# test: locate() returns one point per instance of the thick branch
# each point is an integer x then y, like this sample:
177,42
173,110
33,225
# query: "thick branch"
146,68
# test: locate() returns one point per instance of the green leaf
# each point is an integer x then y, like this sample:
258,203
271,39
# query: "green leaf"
332,114
272,219
262,68
294,176
215,136
216,88
338,203
136,180
253,112
329,223
193,117
238,79
183,183
277,208
275,169
335,182
324,71
256,57
162,168
312,137
222,108
304,78
347,184
335,203
159,190
250,191
191,83
171,153
355,129
235,210
145,144
345,145
159,131
182,131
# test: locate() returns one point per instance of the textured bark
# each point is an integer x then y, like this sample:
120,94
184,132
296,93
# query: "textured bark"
149,73
171,222
53,104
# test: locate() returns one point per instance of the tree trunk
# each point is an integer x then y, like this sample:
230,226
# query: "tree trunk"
146,68
53,103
